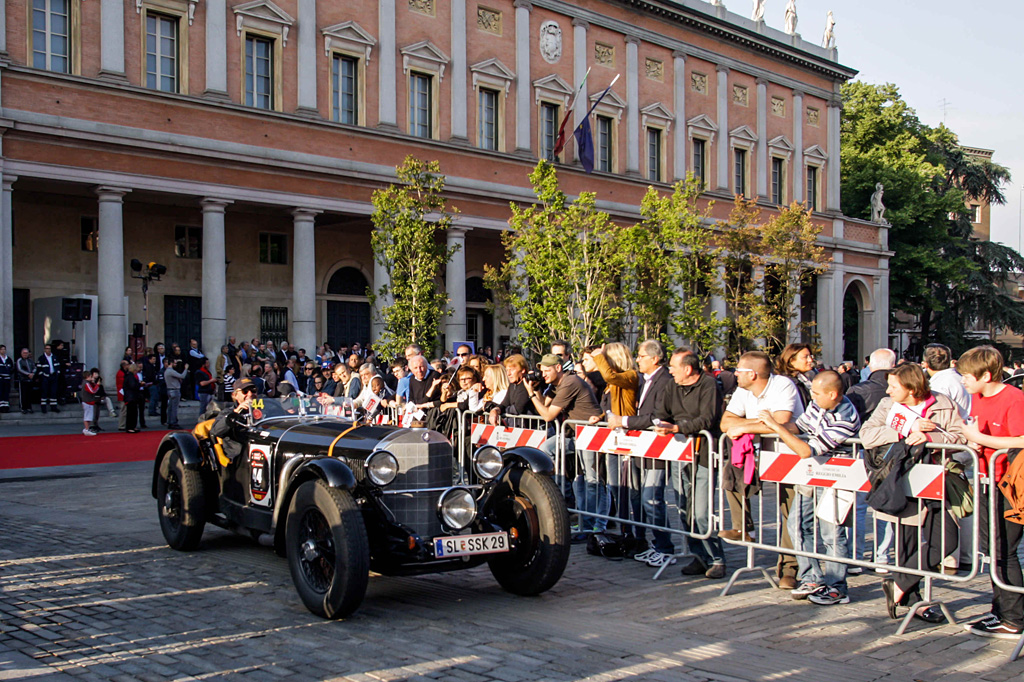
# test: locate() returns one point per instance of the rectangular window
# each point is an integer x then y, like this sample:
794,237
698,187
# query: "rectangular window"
273,248
51,35
654,154
548,130
188,241
812,188
161,52
699,157
487,119
90,233
603,162
259,72
421,105
345,86
778,180
740,171
975,213
273,325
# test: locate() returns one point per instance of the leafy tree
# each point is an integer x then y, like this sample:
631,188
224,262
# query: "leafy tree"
560,276
938,272
742,260
406,242
668,271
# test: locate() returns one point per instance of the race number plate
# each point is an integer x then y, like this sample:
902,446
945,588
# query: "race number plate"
466,545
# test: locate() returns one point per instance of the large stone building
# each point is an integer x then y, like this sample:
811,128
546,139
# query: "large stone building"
238,143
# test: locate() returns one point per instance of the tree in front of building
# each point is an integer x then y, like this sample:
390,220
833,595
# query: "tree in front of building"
560,276
669,272
411,247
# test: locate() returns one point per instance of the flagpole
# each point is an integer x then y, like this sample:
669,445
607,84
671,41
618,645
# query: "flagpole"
610,86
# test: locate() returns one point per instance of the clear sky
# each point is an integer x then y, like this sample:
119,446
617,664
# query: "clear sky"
969,54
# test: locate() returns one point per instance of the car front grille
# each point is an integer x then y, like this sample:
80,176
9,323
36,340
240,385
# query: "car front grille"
422,466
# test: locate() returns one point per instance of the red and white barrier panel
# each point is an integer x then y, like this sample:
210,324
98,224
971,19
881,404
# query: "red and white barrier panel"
675,448
843,473
503,437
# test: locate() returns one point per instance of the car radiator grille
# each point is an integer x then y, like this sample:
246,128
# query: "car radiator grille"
421,466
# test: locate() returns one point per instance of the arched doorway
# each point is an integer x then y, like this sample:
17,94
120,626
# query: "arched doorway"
348,309
479,320
857,318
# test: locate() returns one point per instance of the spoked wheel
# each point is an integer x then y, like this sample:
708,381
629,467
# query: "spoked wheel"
534,513
180,503
328,553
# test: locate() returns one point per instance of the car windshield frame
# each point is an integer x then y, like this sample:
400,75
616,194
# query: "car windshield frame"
294,406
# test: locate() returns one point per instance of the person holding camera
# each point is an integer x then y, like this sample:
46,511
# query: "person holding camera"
517,397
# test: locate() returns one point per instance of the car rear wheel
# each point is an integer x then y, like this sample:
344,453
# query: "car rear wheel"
328,553
180,503
534,513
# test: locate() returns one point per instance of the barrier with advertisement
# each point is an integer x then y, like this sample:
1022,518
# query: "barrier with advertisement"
827,478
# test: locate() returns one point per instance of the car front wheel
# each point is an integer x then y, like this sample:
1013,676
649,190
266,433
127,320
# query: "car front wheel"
328,553
532,509
180,503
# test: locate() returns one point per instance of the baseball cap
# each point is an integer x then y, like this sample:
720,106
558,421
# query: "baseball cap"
551,360
245,385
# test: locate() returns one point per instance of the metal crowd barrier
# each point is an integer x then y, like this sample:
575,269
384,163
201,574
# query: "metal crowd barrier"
474,430
629,457
828,478
994,511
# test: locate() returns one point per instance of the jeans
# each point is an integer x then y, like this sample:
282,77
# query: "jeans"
157,398
693,488
173,399
801,524
591,493
204,401
564,475
655,510
624,489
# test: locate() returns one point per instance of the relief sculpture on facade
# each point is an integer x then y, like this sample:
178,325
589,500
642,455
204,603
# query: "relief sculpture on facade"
550,42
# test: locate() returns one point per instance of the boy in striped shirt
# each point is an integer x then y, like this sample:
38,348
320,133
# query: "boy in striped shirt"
828,422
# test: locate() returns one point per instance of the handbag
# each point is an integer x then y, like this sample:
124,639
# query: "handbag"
959,491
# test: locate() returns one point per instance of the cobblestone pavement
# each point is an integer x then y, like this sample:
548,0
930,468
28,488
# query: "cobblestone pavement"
89,591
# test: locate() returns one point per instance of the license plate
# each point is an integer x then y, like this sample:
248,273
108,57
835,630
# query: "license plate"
465,545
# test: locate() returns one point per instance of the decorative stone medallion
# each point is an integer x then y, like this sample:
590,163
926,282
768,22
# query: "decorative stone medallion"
699,82
655,69
488,20
550,41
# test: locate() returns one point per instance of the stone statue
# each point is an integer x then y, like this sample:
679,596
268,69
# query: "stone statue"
829,39
550,42
717,3
758,14
877,207
791,17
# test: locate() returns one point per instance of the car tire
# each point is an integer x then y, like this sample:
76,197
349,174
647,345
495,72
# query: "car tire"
181,503
534,507
328,552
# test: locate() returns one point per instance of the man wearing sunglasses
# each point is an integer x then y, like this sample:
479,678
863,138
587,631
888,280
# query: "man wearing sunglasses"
232,425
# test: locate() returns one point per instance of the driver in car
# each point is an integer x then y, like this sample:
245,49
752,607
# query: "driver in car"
232,425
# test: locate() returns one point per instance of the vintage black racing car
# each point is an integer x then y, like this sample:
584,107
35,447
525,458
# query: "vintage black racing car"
341,498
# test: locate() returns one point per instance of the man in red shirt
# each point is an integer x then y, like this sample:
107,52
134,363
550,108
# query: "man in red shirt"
997,422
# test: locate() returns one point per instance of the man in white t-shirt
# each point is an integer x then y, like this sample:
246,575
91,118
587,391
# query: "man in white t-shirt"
759,389
943,377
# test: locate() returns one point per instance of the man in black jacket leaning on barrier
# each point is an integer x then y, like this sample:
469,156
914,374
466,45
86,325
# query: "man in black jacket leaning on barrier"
693,403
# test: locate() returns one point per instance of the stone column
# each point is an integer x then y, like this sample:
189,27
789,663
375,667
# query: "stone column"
112,40
307,57
832,193
758,273
882,304
216,49
723,127
387,105
719,309
827,315
460,93
679,102
7,268
795,316
632,106
579,69
762,137
455,285
523,142
3,37
304,280
113,325
799,172
381,277
215,290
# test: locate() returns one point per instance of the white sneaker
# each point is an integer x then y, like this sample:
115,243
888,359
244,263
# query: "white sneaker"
658,560
87,432
645,556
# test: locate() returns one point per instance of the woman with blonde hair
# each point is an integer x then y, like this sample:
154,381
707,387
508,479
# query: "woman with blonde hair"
496,384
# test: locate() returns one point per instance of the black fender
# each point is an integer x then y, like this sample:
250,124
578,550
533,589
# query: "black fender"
537,460
333,472
186,444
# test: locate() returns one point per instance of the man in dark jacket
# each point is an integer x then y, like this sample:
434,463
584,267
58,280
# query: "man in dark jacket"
693,403
866,395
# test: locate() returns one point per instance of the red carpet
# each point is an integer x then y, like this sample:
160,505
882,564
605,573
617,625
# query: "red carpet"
50,451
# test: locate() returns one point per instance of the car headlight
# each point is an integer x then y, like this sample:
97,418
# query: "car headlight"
381,467
456,508
488,462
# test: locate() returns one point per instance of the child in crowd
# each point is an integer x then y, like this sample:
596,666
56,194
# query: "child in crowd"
90,395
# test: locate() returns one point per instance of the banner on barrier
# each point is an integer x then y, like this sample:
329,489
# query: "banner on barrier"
648,444
503,437
843,473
